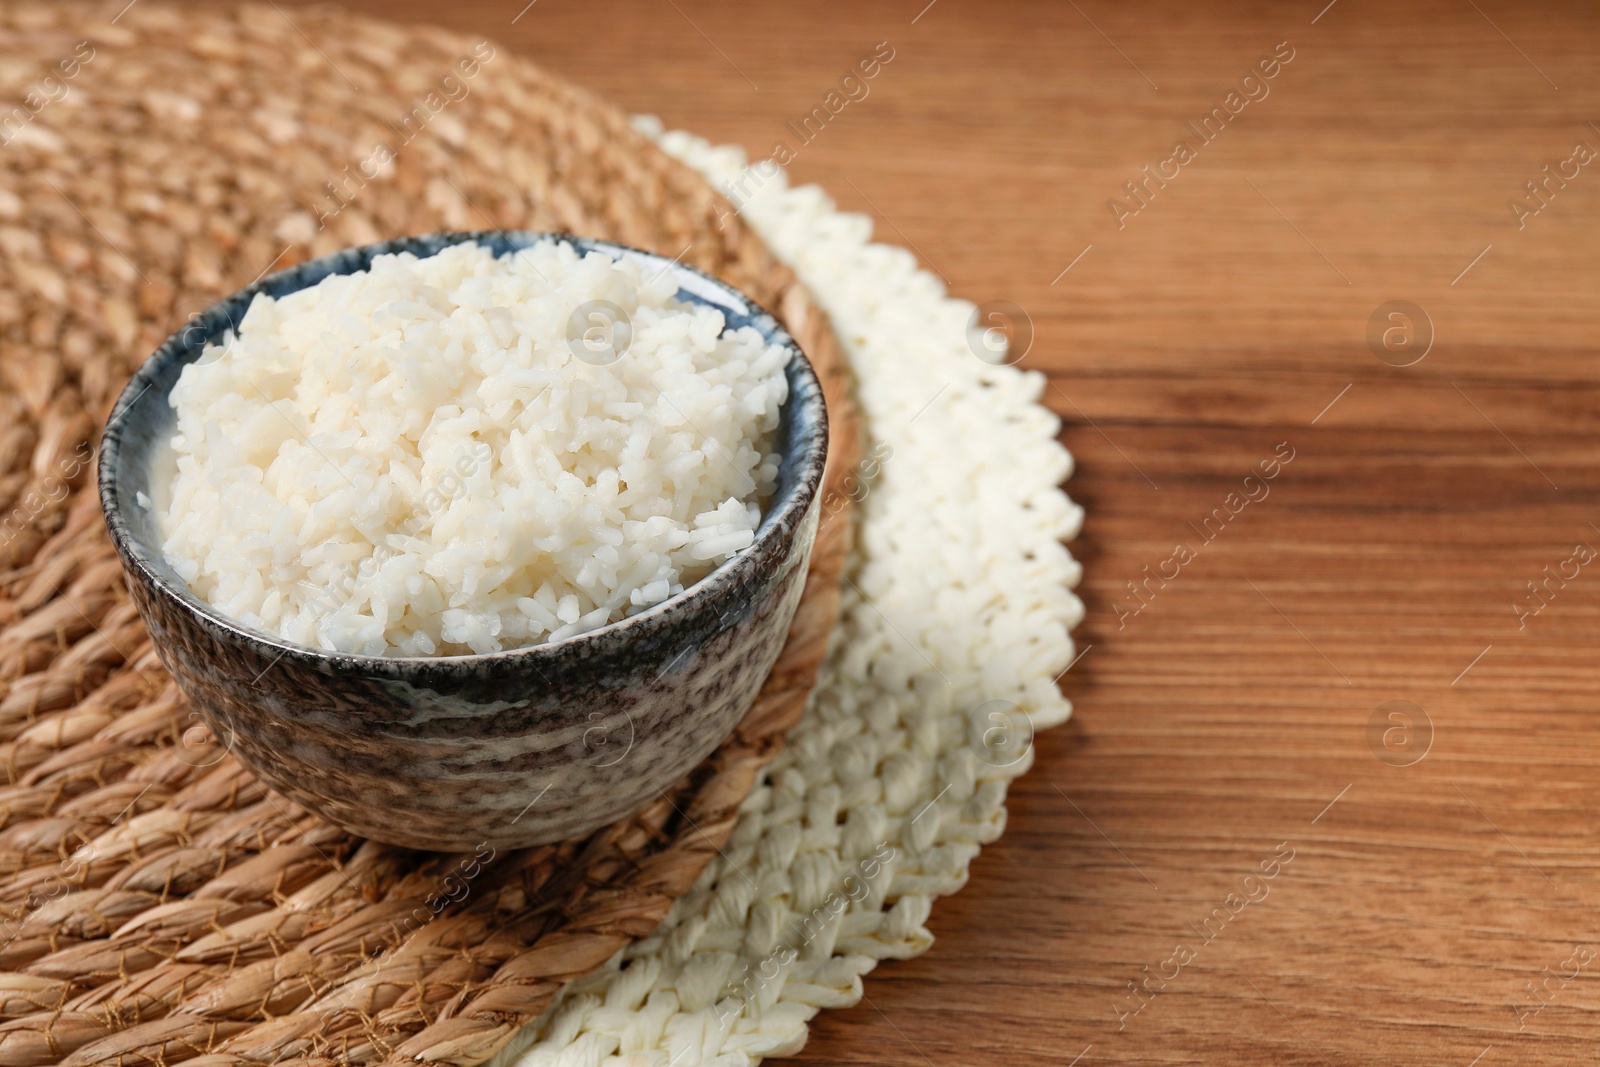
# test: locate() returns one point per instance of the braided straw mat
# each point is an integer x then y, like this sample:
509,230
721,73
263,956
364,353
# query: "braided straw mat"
159,905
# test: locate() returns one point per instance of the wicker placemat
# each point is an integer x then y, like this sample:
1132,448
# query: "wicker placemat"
158,905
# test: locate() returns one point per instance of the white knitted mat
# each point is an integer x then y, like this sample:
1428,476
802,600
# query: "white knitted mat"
956,622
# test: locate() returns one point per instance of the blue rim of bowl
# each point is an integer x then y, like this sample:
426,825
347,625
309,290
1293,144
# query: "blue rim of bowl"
186,345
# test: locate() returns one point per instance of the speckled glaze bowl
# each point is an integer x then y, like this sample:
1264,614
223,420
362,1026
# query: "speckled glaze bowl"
512,748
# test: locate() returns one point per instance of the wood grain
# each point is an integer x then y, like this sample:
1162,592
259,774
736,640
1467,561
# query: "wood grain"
1233,710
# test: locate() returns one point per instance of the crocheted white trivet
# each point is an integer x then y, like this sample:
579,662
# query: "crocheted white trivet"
956,620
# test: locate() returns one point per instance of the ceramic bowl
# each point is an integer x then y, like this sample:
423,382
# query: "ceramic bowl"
508,749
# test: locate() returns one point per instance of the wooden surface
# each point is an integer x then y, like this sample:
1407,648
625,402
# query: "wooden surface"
1228,716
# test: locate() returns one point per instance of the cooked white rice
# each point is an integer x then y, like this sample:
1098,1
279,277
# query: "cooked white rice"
413,461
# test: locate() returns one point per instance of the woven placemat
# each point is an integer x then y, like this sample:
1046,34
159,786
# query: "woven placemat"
956,624
158,905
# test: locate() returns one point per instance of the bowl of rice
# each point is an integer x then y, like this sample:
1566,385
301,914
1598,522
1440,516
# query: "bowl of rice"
474,538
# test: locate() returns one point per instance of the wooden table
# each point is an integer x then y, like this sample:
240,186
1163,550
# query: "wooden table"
1445,860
